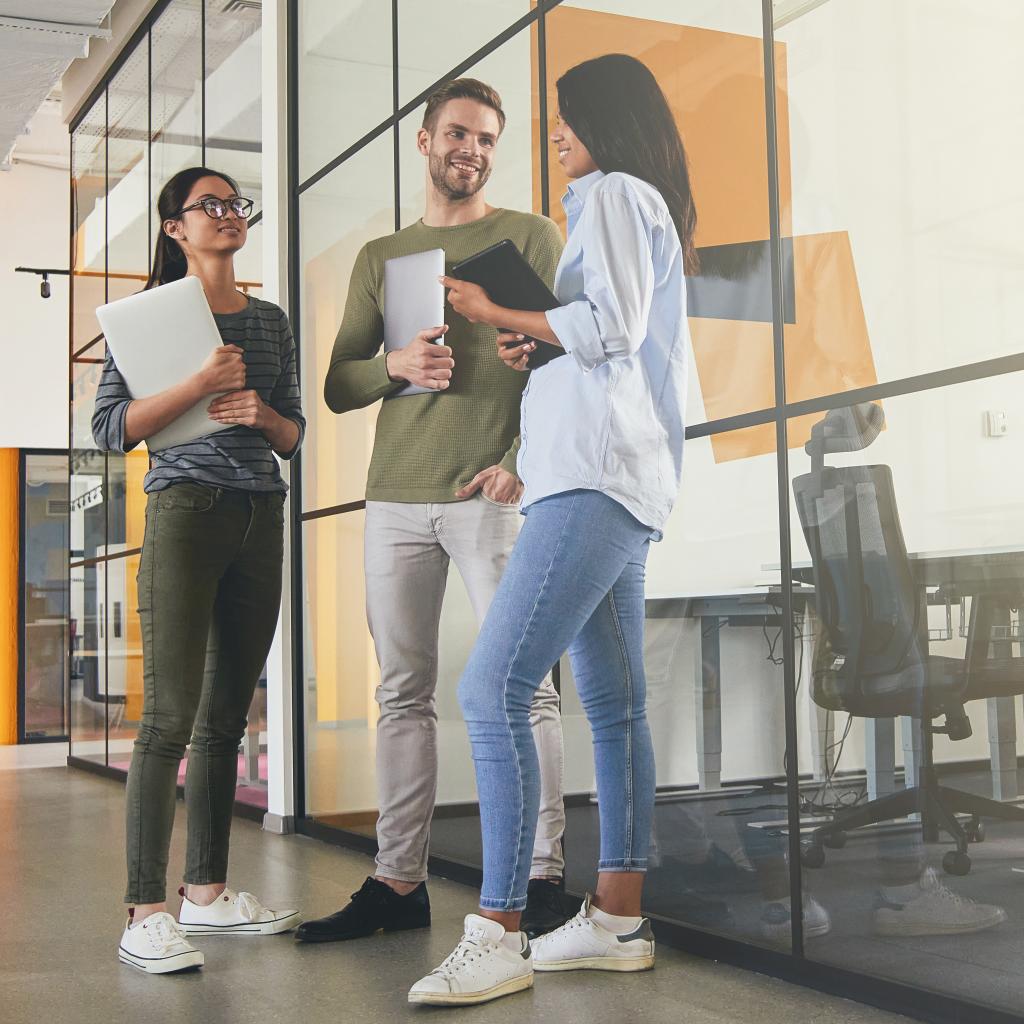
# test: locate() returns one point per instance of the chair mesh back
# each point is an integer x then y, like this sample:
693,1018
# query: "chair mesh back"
871,648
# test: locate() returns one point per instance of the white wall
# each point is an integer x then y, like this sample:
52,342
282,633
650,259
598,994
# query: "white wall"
34,233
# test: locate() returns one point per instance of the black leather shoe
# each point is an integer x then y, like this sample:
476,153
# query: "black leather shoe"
376,907
546,907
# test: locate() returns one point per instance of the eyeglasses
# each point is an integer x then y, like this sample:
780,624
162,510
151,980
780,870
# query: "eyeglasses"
218,208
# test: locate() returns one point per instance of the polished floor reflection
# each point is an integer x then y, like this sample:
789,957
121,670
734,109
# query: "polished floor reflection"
70,827
718,868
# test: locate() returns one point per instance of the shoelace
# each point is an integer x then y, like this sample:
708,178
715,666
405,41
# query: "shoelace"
248,906
164,932
934,886
471,947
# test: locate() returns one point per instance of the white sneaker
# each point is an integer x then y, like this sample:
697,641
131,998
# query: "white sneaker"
234,913
157,945
479,969
932,909
583,944
777,919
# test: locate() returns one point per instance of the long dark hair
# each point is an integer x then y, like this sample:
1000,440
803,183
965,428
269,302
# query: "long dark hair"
169,263
616,108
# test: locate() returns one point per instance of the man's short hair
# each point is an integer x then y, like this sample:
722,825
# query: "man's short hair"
462,89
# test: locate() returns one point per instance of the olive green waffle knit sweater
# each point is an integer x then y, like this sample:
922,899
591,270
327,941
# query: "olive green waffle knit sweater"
428,446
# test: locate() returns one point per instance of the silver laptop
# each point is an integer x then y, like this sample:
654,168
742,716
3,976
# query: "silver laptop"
413,302
158,338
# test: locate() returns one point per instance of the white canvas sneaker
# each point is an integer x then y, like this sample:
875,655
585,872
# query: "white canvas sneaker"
157,945
479,969
234,913
581,944
777,919
932,909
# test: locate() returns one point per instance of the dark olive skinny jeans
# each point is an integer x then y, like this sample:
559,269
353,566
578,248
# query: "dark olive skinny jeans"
209,596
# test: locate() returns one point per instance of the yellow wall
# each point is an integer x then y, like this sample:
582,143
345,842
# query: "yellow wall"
135,465
9,534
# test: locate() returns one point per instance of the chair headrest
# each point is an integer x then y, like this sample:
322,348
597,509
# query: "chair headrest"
848,429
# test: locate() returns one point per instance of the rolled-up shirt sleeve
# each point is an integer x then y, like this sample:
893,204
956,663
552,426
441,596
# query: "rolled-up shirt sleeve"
610,320
110,410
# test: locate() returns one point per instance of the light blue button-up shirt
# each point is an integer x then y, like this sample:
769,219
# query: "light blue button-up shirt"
609,417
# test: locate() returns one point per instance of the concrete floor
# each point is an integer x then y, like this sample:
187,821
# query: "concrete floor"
61,879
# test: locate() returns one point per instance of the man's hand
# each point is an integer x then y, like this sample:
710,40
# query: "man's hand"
244,408
423,362
223,370
471,301
497,484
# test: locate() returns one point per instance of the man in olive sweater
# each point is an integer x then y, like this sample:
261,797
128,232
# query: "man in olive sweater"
442,486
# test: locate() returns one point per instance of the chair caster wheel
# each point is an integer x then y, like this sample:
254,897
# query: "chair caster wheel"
975,832
956,863
835,841
812,856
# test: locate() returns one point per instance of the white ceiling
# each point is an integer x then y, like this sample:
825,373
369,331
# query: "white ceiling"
38,40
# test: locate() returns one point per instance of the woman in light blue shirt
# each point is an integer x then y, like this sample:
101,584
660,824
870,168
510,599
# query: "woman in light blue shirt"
601,457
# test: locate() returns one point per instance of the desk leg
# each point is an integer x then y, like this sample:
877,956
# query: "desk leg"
880,756
823,721
913,744
709,704
823,734
250,746
1002,740
1002,723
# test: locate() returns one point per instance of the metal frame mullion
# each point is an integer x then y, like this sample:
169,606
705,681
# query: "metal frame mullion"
542,113
395,141
149,150
72,234
202,82
22,538
782,479
106,455
400,112
297,573
119,61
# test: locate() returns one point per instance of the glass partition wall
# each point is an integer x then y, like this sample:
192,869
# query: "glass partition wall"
825,624
834,647
185,91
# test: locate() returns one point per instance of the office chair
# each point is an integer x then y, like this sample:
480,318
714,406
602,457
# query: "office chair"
871,654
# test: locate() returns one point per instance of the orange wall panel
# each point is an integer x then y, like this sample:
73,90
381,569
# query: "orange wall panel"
9,548
714,82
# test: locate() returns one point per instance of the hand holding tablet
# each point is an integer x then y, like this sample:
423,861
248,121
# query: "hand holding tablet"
509,281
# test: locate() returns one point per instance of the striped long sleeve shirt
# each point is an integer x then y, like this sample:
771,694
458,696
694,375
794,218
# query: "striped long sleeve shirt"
239,458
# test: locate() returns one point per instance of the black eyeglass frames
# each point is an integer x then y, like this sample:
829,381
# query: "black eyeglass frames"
218,208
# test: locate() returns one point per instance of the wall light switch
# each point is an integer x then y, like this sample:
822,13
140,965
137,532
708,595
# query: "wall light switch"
995,424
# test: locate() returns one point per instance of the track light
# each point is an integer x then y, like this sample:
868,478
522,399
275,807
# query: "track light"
44,285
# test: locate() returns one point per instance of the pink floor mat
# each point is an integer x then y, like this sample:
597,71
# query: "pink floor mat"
255,796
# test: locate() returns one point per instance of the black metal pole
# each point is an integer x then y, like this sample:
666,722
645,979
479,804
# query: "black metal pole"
782,476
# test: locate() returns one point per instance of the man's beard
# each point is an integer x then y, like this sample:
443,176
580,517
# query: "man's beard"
459,189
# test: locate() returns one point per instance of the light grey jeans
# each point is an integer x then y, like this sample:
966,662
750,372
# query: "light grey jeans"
408,548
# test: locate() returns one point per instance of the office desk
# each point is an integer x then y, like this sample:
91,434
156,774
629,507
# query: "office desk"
760,606
993,574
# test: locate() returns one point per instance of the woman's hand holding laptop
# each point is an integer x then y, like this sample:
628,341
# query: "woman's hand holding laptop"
224,370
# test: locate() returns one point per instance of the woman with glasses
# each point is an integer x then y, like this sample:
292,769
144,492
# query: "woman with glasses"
601,458
209,577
